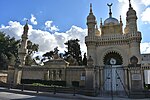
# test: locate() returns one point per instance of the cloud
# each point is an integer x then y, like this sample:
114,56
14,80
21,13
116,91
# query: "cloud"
123,7
145,47
78,33
145,2
123,1
14,29
45,39
50,27
145,16
33,20
48,41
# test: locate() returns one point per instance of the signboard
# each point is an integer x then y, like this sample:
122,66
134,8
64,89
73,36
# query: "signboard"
82,77
136,76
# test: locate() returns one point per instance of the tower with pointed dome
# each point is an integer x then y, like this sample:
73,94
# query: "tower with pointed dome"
91,24
22,52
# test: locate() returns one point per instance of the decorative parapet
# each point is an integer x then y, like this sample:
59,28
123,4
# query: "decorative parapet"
113,39
145,67
134,68
134,37
90,38
41,68
76,67
55,62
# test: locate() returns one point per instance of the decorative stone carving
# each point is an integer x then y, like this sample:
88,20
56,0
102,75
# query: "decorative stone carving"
134,61
90,62
72,61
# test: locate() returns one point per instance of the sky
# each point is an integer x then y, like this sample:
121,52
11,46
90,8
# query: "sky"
53,22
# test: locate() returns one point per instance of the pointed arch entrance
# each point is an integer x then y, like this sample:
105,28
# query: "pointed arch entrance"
113,73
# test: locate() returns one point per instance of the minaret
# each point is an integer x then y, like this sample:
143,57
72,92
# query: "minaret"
90,39
23,48
131,19
91,22
133,34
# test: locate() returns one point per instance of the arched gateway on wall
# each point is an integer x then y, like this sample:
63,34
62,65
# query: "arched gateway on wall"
113,73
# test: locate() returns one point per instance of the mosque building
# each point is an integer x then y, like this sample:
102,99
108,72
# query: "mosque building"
114,59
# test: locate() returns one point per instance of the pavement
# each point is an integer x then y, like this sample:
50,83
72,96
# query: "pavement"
64,95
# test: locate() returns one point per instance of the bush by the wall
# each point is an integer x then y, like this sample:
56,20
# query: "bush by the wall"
75,83
44,82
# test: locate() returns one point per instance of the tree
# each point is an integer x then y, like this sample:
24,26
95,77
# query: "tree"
32,48
51,54
73,50
8,48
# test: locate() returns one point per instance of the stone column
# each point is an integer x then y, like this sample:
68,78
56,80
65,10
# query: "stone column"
52,75
46,75
126,77
17,75
101,78
90,79
135,79
97,76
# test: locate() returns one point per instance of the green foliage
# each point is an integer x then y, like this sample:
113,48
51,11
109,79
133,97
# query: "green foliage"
73,50
50,54
39,84
43,82
8,48
32,48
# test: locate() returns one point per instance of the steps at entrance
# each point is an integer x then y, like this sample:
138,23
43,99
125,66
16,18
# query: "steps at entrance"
137,95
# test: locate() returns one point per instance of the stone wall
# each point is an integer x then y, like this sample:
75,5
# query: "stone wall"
3,77
75,73
69,74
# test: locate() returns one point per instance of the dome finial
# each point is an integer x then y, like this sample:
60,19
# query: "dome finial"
90,7
100,21
96,25
109,5
27,21
120,19
26,28
130,6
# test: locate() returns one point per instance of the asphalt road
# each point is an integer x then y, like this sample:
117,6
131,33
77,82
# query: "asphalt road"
13,96
6,94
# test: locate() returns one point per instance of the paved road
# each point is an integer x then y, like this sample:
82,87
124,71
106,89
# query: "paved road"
13,96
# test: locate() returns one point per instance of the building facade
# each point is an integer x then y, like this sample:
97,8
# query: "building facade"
114,59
